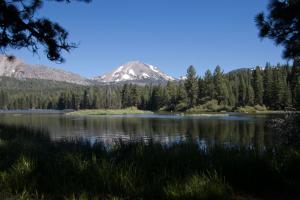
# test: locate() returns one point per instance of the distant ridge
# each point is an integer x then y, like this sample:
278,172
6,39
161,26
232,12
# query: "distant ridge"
15,68
239,70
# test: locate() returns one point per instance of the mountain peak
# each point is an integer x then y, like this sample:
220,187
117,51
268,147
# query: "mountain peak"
134,62
135,71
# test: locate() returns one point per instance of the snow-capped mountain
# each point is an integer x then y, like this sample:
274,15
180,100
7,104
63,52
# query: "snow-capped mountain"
137,72
16,68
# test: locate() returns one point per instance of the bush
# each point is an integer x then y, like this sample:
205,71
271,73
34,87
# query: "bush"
260,107
182,106
246,109
210,106
251,109
287,130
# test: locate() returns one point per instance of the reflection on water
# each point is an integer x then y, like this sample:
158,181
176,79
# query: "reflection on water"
232,129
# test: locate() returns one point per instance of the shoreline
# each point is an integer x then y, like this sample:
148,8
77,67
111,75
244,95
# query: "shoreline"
93,112
135,111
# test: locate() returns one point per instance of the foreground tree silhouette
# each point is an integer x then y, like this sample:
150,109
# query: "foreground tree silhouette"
20,28
282,25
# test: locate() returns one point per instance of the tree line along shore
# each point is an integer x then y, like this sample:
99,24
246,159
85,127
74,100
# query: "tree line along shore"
245,90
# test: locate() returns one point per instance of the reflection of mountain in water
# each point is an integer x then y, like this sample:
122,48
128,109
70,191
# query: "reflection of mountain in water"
166,129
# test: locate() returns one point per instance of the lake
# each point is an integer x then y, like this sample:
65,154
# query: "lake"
232,129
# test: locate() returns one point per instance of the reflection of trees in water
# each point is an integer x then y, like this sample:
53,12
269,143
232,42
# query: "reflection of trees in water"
211,130
232,132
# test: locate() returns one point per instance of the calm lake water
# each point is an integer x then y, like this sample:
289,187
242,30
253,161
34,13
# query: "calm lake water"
221,129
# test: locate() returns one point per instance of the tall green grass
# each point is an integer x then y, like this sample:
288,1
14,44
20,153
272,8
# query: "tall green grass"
32,166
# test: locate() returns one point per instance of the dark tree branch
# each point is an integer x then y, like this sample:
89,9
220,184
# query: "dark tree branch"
282,25
19,28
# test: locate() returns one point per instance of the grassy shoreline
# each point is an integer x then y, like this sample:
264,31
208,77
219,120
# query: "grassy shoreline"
134,110
126,111
237,112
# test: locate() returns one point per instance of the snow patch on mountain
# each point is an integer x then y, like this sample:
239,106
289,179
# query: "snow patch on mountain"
145,75
131,72
153,68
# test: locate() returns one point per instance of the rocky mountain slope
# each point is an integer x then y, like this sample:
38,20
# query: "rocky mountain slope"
16,68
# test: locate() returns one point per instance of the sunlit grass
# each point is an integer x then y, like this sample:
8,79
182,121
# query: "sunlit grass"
125,111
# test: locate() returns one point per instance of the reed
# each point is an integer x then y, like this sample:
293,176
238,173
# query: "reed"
32,166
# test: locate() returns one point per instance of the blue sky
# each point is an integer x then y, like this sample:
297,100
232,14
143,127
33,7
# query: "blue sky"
170,34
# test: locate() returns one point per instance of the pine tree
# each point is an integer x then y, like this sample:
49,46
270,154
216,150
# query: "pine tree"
61,104
181,94
125,95
287,95
155,99
295,74
258,86
235,79
297,94
68,99
242,92
191,86
109,98
250,95
3,100
145,96
171,96
268,85
208,85
201,91
134,96
231,97
75,102
281,93
85,104
221,91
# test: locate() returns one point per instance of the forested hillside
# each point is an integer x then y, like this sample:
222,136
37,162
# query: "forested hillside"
276,87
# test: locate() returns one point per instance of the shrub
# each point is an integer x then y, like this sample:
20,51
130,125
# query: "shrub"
287,130
182,106
246,109
252,109
210,106
260,107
